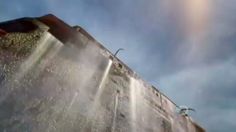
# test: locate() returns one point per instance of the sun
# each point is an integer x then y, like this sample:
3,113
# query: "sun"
197,15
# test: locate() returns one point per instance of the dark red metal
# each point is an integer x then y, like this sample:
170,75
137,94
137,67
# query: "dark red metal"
2,32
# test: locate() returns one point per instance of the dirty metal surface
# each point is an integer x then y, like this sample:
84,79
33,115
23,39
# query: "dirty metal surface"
53,82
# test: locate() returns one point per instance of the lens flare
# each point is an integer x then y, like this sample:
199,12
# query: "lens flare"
194,19
197,14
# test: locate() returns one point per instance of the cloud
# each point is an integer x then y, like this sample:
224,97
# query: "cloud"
161,46
209,89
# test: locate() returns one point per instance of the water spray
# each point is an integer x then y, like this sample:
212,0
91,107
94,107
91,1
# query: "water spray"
184,110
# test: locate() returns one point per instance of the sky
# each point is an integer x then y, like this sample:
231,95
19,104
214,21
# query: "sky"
186,48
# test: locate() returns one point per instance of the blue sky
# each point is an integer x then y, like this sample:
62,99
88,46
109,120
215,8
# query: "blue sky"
186,48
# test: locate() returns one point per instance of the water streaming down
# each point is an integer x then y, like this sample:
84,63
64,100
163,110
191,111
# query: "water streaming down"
46,47
47,44
103,81
115,112
94,106
145,111
51,69
79,86
73,100
134,87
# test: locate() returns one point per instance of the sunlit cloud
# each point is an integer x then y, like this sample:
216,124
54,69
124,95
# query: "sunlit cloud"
196,20
169,42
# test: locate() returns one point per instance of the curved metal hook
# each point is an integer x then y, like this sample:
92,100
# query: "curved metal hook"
118,51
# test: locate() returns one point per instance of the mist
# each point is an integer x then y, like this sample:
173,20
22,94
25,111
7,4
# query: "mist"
185,48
